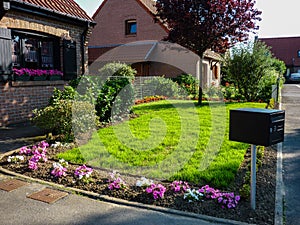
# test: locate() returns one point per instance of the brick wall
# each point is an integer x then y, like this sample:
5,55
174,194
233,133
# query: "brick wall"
18,99
110,28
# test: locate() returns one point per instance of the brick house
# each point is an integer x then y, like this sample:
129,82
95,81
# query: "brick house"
125,25
39,34
286,49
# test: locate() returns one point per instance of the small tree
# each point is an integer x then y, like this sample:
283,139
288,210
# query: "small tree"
208,24
252,69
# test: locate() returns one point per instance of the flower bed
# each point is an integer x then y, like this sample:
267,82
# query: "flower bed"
40,161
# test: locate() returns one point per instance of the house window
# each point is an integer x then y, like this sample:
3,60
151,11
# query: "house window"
130,27
34,51
298,53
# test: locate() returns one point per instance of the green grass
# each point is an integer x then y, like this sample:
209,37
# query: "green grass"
169,140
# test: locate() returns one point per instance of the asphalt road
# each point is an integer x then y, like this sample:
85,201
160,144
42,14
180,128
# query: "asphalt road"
291,153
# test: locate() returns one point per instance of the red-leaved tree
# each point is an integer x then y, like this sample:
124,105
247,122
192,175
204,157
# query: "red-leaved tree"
208,24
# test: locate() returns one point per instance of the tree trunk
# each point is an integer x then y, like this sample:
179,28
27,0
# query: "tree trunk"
200,82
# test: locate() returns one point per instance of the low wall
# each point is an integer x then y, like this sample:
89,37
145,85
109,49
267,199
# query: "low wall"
18,99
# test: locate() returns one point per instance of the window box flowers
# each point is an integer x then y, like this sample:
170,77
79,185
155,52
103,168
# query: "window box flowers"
55,75
25,74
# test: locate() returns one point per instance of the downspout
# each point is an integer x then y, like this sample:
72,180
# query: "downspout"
83,38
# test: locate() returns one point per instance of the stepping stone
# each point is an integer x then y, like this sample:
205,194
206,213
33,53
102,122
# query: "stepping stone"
48,195
12,184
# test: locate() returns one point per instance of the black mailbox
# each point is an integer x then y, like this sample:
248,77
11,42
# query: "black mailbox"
257,126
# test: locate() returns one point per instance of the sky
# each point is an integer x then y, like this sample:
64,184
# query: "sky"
280,18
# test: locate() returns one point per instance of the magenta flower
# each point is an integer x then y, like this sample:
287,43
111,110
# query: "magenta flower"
25,150
58,170
116,182
157,190
177,186
36,72
83,172
32,164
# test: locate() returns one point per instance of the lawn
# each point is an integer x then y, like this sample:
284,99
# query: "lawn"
170,139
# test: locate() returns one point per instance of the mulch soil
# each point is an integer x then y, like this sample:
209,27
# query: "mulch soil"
265,188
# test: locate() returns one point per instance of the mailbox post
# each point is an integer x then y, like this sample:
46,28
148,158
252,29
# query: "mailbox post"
257,127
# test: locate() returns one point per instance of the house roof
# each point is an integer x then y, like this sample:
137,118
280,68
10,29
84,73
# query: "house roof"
62,7
285,48
150,51
150,5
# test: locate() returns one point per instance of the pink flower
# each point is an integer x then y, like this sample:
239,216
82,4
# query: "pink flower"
157,190
25,150
83,172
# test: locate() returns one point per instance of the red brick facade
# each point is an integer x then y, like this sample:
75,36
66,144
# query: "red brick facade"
111,17
19,99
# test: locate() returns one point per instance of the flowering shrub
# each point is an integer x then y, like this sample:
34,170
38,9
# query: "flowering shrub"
157,190
58,170
15,159
83,172
177,186
193,195
144,182
116,182
36,72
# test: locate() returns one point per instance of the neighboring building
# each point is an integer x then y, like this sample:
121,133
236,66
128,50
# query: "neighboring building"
132,27
39,34
286,49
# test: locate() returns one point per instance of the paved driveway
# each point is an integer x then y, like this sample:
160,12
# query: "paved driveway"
291,153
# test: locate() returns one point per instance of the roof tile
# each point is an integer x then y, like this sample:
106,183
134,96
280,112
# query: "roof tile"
67,7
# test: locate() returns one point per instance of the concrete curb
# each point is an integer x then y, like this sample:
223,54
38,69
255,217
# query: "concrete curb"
279,194
106,198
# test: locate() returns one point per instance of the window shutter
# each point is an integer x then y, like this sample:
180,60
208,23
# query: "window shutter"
5,54
70,63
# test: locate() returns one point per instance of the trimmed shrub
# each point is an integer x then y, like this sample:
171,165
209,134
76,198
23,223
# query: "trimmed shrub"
163,87
116,97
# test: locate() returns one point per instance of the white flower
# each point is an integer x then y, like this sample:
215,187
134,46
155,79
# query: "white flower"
192,195
144,182
15,159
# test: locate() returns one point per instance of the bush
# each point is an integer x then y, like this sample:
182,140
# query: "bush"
163,87
57,118
116,97
67,94
230,92
189,83
265,86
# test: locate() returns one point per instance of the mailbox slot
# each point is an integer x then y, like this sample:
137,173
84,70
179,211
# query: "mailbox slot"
257,126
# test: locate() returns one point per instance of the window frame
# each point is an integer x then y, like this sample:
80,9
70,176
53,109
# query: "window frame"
41,39
128,27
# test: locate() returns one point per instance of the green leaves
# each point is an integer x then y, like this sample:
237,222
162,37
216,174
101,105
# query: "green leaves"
251,68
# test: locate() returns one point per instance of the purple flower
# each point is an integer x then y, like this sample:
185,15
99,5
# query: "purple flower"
32,164
25,150
178,185
157,190
83,172
58,170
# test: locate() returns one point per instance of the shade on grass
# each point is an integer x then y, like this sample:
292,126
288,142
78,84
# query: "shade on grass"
169,140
